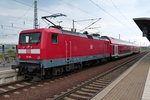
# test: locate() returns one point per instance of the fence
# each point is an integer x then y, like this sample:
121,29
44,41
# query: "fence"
8,54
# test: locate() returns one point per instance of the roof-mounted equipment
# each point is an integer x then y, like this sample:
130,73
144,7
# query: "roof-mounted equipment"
47,18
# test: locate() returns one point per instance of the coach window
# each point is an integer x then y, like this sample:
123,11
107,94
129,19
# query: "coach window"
54,38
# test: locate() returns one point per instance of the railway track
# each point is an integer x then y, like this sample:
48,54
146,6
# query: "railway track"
88,89
14,87
83,91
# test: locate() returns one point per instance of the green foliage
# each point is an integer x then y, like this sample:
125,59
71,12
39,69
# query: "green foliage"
9,53
144,49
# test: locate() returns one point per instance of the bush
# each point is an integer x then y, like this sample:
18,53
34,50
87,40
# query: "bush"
9,53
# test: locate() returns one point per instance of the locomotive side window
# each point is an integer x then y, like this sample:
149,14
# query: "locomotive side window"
54,38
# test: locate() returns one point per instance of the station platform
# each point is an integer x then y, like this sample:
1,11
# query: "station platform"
134,84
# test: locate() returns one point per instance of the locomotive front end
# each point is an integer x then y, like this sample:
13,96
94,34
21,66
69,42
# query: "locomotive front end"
29,54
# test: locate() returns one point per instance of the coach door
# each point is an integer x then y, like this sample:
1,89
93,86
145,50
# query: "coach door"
131,49
116,50
68,51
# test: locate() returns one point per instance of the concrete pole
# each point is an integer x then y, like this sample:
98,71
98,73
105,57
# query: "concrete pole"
16,53
3,54
35,15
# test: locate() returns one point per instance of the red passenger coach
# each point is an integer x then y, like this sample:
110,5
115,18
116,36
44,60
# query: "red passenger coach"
52,51
119,48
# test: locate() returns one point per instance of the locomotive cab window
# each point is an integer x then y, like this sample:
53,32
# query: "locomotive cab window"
54,38
30,38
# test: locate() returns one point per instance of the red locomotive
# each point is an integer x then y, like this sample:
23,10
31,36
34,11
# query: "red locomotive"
47,51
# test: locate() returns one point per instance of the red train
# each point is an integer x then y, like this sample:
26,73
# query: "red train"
47,51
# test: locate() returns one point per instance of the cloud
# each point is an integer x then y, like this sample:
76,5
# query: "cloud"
116,19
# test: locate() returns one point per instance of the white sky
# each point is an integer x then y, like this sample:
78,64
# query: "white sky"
117,17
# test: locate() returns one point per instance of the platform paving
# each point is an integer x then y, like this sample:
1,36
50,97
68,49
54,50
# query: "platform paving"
146,93
130,85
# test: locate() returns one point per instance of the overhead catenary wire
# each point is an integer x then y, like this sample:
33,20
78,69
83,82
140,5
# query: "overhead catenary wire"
84,11
43,10
76,7
86,20
26,12
119,11
115,6
31,6
12,28
115,18
46,10
107,12
90,24
9,34
16,19
70,4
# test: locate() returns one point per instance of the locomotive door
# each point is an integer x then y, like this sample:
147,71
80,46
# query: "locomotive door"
116,50
105,49
68,51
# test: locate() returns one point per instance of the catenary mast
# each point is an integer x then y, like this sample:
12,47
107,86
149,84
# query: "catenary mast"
35,26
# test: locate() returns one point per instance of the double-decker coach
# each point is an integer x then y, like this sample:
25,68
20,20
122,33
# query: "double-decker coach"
120,48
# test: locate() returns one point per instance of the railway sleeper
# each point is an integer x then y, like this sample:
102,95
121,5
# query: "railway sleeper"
89,90
98,86
79,97
91,87
84,93
68,98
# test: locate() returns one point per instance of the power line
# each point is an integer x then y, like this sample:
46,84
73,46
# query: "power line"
40,8
23,3
18,18
106,12
120,13
86,20
69,4
91,24
118,9
31,6
3,27
37,8
9,34
111,15
83,21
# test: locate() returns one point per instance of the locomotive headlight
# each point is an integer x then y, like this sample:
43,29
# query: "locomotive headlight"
38,57
19,57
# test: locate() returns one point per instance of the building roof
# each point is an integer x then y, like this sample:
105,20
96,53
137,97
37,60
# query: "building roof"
144,25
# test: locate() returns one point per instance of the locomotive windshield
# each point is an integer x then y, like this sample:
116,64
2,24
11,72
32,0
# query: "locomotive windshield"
27,38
